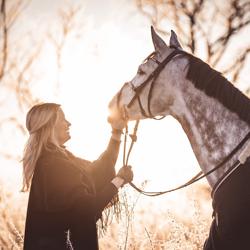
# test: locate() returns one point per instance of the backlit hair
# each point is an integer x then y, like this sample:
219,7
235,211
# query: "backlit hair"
40,122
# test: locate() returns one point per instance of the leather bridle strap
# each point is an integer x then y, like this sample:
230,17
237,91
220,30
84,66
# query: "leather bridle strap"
153,76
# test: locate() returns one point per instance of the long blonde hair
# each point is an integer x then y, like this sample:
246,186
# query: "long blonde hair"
40,122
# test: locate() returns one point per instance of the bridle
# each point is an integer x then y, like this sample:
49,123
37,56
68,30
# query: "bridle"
152,77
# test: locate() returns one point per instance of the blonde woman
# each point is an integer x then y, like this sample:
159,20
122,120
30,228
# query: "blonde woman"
67,194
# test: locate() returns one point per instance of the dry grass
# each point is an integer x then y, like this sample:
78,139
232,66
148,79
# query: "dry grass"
153,225
12,217
146,223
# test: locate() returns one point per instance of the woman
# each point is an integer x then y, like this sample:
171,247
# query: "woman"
67,194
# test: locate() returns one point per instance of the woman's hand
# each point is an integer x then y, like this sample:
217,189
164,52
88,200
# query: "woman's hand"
118,124
117,120
126,174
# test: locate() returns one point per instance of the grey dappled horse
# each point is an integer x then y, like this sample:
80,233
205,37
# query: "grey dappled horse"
216,118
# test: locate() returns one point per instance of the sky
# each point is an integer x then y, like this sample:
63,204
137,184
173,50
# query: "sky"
111,40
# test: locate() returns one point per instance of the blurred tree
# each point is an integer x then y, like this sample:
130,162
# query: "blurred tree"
13,71
211,29
67,18
21,53
16,60
22,50
7,18
5,38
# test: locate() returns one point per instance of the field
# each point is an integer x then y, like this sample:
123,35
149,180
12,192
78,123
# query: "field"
171,222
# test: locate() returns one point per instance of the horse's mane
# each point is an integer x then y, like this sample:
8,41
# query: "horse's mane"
217,86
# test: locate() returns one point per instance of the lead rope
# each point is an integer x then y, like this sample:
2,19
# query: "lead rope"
126,159
196,178
133,140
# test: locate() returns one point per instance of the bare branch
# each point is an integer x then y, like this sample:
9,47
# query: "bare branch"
23,92
235,23
237,65
8,17
205,26
5,39
14,11
67,18
17,124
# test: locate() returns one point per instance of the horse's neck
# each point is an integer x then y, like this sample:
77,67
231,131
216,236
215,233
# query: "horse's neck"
213,130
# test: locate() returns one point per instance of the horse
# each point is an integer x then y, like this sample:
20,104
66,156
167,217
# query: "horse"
215,116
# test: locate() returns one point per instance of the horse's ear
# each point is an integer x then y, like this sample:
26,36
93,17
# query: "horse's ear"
174,43
159,44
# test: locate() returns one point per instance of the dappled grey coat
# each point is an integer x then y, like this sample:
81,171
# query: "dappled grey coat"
68,193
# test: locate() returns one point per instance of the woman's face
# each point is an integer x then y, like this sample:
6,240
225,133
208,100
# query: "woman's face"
62,128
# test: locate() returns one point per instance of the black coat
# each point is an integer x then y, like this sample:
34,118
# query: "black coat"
68,193
230,229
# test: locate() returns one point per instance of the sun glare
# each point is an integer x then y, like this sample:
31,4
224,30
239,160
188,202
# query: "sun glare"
89,76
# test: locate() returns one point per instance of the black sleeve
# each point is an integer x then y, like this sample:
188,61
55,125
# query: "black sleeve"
58,185
103,169
93,204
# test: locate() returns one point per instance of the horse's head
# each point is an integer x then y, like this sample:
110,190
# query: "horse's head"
213,113
153,89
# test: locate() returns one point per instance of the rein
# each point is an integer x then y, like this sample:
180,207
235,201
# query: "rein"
196,178
149,114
